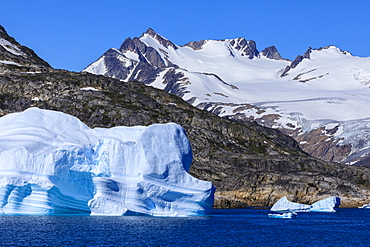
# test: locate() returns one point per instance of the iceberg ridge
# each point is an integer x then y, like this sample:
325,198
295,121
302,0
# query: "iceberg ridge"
52,163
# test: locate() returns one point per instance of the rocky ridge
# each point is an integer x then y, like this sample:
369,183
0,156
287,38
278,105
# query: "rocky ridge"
249,164
14,56
148,62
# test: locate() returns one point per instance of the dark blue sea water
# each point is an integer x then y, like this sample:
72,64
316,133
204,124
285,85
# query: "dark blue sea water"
247,227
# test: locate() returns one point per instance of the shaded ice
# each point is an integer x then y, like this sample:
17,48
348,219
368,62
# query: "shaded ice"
52,163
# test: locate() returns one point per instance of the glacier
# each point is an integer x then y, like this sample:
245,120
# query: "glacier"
52,163
326,205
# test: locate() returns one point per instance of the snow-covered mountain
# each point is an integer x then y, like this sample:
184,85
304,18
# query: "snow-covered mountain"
320,98
52,163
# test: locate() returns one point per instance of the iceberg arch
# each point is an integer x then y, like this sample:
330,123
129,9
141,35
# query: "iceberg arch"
52,163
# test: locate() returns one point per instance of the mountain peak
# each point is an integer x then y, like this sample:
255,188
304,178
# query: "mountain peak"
151,32
4,35
296,61
163,41
247,47
2,30
196,45
334,49
272,53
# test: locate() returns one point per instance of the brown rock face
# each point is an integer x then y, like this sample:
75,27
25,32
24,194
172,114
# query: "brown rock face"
321,146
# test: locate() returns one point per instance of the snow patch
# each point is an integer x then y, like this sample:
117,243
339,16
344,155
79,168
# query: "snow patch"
361,75
89,89
132,55
98,67
10,62
10,47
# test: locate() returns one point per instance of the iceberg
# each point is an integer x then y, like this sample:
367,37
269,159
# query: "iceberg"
365,206
284,205
282,216
325,205
52,163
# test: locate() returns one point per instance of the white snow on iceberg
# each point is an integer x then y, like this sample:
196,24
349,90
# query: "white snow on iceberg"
325,205
52,163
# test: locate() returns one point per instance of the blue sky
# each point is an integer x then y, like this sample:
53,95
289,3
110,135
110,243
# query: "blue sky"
70,34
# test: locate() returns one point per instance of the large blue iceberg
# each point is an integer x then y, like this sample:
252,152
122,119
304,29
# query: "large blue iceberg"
52,163
326,205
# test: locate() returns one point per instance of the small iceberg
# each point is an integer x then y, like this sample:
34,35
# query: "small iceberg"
284,205
283,215
366,206
325,205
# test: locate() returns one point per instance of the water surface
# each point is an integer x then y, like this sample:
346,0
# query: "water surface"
247,227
